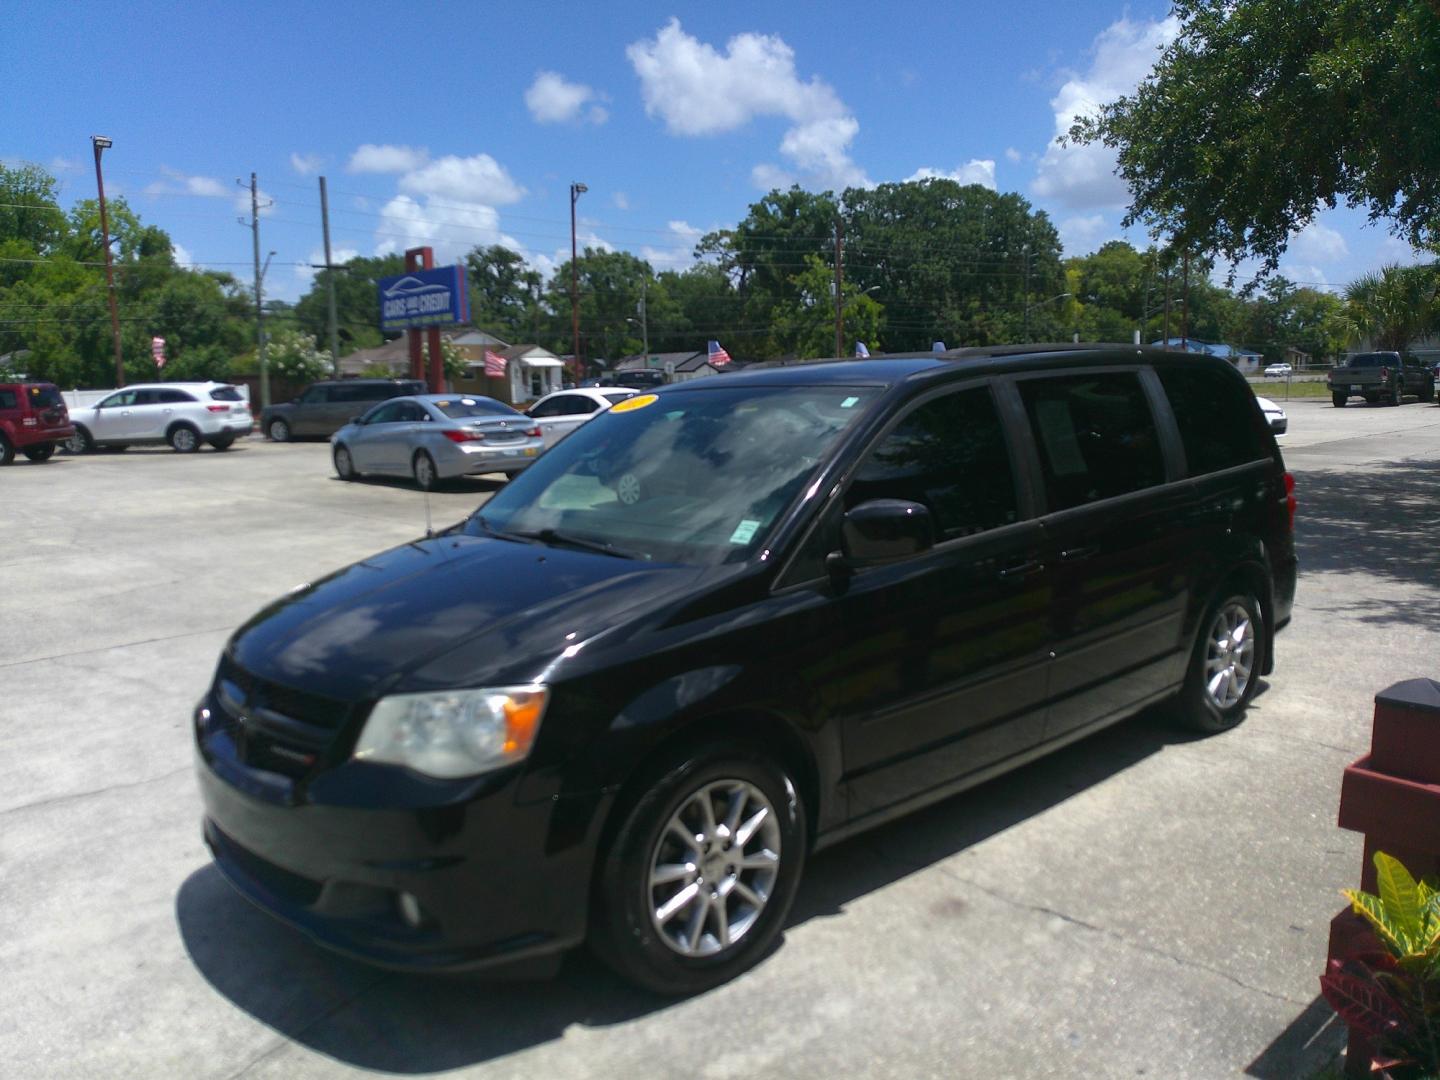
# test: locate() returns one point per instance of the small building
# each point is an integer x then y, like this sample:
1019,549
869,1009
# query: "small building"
1247,362
530,372
678,366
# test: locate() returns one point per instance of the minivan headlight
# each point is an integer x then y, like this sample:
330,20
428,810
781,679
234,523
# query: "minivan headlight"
454,733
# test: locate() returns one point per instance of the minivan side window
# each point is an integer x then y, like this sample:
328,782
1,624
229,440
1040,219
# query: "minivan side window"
314,396
950,455
1216,419
1094,435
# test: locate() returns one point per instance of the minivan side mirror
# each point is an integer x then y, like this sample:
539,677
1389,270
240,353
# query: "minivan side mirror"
881,531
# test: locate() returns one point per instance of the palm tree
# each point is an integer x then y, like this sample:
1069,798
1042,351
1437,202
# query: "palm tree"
1393,307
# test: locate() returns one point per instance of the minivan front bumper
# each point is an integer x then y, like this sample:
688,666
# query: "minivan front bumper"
353,860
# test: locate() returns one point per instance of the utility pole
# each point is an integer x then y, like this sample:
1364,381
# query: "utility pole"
839,288
1167,307
1185,306
644,321
101,143
329,283
259,294
1025,251
576,190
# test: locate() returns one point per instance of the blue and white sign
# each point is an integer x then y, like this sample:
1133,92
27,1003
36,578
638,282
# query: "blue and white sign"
435,297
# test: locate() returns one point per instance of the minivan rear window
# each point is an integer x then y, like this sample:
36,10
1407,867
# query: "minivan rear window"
226,393
1095,435
1216,417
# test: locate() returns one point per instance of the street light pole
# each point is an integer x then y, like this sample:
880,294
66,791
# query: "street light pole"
101,144
576,190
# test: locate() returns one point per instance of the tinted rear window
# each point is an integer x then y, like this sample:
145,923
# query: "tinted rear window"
1095,435
226,393
1216,418
459,408
44,397
1374,359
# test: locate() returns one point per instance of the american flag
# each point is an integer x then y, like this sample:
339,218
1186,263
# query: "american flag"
157,349
494,364
718,356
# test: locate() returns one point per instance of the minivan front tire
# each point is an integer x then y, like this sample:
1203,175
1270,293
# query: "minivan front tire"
1225,666
184,439
698,879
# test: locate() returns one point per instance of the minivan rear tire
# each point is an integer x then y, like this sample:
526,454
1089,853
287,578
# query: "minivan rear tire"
1209,701
279,431
625,932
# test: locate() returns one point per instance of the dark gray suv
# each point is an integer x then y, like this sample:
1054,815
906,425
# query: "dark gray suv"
325,407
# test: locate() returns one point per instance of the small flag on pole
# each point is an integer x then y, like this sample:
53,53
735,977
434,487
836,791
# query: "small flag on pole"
718,356
494,364
938,346
157,349
860,350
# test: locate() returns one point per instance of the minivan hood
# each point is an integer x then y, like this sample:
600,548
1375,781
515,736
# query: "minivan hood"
497,611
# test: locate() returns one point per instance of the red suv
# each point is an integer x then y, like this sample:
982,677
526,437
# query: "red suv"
33,420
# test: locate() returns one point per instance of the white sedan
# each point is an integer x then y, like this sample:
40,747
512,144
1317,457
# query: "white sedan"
1278,371
562,412
1274,416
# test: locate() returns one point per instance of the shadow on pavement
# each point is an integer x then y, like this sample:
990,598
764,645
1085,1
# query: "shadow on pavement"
1313,1040
421,1024
1381,521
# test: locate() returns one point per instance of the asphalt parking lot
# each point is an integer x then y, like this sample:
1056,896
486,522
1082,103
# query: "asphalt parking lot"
1141,903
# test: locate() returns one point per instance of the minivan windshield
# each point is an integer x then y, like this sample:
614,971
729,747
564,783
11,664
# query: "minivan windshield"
689,476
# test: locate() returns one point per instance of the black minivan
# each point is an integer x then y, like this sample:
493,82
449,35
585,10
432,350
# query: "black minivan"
727,624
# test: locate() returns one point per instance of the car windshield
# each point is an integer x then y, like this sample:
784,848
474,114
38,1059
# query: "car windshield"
692,476
459,408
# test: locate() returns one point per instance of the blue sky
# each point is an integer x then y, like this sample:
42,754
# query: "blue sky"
458,124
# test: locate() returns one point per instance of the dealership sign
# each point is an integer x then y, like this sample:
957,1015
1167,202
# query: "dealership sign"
435,297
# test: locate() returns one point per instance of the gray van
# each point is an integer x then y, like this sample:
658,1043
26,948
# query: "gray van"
325,407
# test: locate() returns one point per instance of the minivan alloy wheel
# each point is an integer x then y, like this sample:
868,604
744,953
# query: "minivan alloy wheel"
714,868
185,440
1230,660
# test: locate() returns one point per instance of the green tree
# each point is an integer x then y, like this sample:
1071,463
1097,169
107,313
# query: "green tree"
292,355
805,327
610,284
357,303
504,293
1393,307
1263,110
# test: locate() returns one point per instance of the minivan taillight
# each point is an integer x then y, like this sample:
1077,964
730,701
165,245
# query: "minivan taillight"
217,408
1290,502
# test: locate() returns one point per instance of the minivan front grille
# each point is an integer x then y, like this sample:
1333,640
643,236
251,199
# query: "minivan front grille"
274,727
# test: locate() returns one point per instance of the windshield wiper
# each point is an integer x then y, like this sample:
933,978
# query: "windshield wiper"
554,537
499,534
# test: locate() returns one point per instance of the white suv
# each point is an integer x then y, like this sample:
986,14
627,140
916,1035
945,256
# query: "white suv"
182,414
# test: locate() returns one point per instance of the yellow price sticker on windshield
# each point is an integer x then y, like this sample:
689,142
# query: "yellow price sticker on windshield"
631,404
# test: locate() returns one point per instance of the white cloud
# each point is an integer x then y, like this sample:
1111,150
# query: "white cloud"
64,164
477,179
1083,177
698,91
768,177
1318,243
1082,234
552,99
371,158
182,254
264,203
451,230
1307,273
681,252
305,273
621,200
306,164
178,183
1012,155
973,171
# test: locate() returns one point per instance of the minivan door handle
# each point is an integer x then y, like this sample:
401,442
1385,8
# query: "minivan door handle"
1020,570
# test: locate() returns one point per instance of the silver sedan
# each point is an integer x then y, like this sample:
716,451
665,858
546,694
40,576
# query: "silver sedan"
434,437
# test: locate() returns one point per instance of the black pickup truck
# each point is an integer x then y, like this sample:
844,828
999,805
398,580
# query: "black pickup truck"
1377,376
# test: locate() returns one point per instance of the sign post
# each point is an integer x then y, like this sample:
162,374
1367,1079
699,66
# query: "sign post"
420,301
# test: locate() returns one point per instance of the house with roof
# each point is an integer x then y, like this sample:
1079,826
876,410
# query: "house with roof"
678,366
530,372
1245,360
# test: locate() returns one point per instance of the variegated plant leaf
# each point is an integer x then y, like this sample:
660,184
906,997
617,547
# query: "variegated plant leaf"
1401,898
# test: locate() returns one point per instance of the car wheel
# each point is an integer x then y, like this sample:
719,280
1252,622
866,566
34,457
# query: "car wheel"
80,442
423,468
222,444
629,489
1225,667
184,439
38,454
1339,400
344,464
279,431
695,886
7,451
